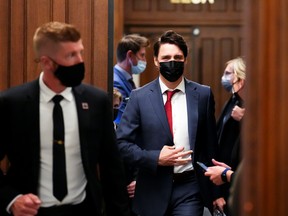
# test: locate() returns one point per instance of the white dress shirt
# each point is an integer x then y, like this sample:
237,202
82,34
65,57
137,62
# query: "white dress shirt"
180,121
76,179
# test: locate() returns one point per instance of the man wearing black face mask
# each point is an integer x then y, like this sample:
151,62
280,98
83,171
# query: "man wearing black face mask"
164,134
57,122
70,76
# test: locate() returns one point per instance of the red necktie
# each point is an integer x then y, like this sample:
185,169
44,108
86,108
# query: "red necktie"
168,108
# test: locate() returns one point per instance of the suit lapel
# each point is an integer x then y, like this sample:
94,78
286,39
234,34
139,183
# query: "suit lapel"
192,97
126,85
192,111
83,111
156,100
31,115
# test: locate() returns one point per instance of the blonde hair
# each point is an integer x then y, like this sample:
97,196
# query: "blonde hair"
117,94
239,67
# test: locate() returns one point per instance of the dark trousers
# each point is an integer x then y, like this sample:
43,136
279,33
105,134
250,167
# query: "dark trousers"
185,198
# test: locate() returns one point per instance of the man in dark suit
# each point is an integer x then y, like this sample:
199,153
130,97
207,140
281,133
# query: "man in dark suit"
93,163
169,182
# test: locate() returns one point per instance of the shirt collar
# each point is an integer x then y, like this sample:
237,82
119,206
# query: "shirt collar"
180,87
124,72
48,94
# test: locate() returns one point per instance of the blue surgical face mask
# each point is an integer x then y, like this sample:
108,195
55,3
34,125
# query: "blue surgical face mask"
139,68
226,82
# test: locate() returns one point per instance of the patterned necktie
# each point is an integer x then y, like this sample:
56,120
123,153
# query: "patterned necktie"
168,108
59,164
132,83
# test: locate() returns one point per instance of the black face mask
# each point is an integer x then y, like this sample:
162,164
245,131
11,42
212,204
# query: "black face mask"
70,76
172,70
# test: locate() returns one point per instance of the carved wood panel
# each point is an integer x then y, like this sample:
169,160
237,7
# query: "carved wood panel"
209,49
264,175
162,12
212,32
19,20
212,48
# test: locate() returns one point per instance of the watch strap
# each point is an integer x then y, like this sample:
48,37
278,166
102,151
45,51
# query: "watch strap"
224,175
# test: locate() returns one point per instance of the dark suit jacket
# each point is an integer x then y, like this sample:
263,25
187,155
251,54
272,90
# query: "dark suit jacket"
20,140
144,130
229,138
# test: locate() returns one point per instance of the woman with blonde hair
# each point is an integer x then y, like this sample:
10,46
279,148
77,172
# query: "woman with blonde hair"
229,125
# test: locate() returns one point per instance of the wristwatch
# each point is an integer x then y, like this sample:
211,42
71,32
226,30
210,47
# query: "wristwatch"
224,176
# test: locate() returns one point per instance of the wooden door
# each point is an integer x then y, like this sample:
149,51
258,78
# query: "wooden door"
210,47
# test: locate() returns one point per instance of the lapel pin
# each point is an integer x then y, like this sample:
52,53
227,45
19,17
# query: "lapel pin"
85,106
